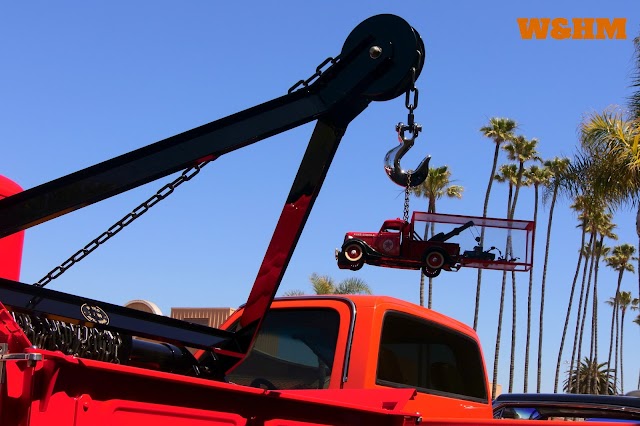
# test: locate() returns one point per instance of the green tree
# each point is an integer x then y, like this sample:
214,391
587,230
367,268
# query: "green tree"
324,284
499,130
613,141
537,176
578,381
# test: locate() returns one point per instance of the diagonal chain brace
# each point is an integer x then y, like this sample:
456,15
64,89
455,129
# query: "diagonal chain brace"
317,74
160,195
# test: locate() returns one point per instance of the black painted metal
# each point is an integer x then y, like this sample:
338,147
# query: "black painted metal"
49,303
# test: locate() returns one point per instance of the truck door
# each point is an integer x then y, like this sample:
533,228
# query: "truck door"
389,238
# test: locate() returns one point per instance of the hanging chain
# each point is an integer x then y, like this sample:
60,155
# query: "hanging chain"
162,193
412,104
407,190
317,74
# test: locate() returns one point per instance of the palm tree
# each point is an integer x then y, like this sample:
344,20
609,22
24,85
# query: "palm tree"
577,205
324,284
508,173
521,150
620,261
436,185
558,168
499,130
536,176
624,301
600,226
602,251
615,141
588,370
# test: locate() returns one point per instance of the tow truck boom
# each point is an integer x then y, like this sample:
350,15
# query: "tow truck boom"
379,61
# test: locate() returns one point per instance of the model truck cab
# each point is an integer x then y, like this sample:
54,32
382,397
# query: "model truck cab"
368,342
398,244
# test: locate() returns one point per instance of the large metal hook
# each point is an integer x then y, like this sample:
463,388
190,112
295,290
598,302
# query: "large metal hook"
398,175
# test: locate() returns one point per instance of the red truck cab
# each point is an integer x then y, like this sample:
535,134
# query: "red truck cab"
331,343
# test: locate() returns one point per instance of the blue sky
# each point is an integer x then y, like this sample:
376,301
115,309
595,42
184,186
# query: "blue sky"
81,83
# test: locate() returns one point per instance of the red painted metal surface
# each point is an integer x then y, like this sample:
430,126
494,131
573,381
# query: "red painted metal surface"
11,246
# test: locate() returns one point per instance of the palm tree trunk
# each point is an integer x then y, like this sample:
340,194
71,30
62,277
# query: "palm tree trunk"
513,331
584,313
579,310
621,351
513,281
566,320
594,314
484,214
542,288
528,341
500,311
432,209
586,304
421,289
497,350
613,322
615,371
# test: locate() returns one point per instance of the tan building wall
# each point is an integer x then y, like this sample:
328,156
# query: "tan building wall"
498,389
211,317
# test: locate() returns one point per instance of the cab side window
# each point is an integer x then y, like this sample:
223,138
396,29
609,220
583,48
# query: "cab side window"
433,359
293,350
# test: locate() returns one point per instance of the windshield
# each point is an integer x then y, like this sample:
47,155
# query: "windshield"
293,350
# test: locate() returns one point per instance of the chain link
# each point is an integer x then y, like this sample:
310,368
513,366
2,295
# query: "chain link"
317,74
412,104
407,191
160,195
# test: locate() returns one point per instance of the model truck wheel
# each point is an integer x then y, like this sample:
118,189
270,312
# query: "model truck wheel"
434,258
354,253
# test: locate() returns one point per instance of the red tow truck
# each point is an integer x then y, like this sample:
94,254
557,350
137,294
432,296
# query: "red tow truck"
402,244
398,245
312,361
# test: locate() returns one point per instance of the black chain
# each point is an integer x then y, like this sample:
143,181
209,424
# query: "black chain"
317,74
162,193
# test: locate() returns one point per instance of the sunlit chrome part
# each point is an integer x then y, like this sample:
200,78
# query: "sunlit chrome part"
392,162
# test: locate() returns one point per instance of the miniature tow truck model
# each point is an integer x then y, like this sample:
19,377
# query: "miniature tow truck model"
69,360
399,244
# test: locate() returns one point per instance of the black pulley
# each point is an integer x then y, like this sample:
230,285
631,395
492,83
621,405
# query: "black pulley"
389,38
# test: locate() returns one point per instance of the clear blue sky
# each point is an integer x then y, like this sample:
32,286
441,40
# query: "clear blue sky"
81,83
